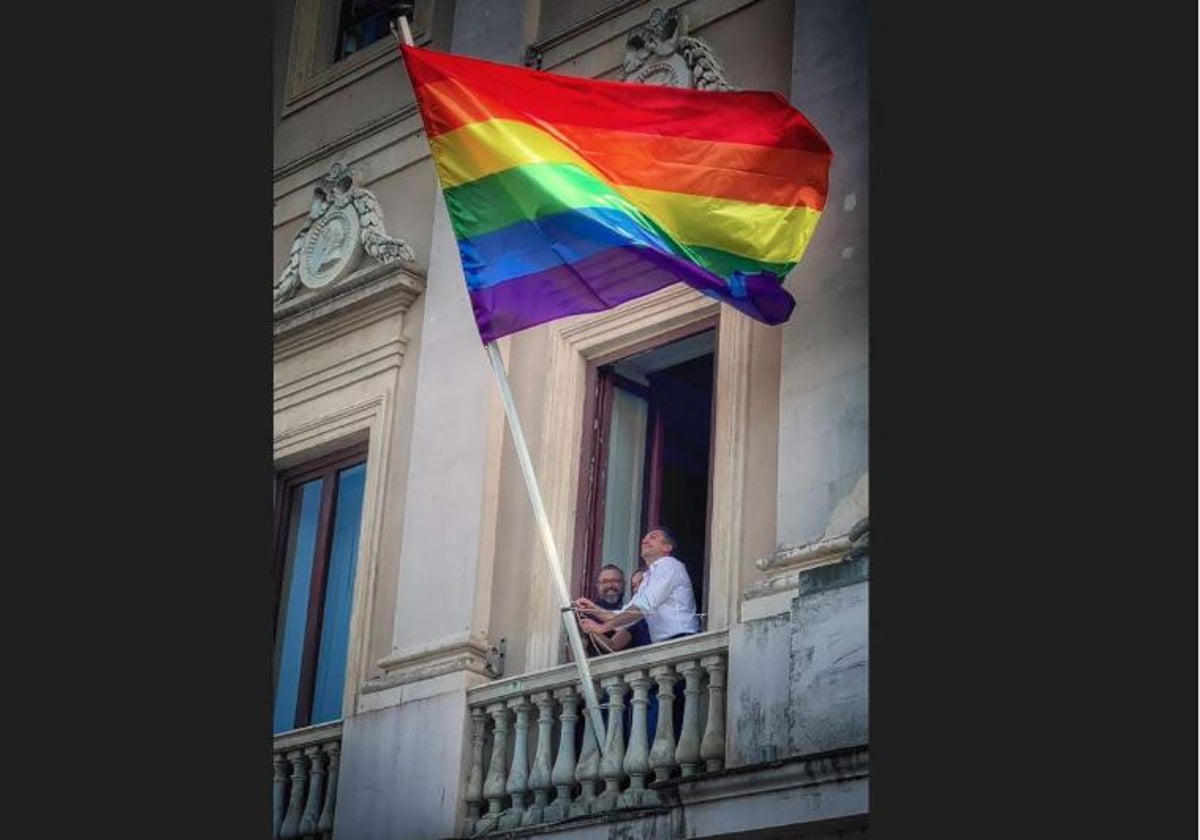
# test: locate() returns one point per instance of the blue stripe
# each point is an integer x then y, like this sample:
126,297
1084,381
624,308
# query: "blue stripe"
550,242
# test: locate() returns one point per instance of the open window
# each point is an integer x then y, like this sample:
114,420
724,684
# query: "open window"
647,456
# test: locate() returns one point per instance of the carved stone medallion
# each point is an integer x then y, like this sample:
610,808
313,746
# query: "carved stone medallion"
660,52
671,71
345,223
332,247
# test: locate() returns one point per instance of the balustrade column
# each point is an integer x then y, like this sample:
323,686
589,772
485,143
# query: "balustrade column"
325,825
539,773
291,822
587,772
662,753
712,748
614,745
316,789
493,788
529,784
636,763
687,754
279,791
563,774
474,797
518,774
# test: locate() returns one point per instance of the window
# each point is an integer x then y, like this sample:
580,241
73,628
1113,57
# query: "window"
334,43
316,550
363,22
648,458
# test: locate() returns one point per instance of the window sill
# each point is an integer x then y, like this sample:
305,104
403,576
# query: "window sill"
336,76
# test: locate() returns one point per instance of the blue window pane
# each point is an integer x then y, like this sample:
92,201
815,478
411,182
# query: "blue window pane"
293,607
339,594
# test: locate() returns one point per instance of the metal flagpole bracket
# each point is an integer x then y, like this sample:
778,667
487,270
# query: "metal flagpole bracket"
405,34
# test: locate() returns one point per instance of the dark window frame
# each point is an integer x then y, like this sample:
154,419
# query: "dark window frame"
312,72
589,513
326,468
346,21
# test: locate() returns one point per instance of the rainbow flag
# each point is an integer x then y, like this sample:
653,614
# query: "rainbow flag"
575,195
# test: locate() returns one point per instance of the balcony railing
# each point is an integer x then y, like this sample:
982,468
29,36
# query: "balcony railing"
305,784
506,790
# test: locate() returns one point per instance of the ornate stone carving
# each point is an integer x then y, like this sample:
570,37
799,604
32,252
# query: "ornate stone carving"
660,52
344,223
784,567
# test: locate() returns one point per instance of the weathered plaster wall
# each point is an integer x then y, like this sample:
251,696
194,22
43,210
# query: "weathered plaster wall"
823,391
828,691
798,680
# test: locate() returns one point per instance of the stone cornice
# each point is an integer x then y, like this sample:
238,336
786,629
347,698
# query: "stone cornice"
794,557
614,23
848,765
380,284
459,653
797,772
350,418
784,567
542,45
348,139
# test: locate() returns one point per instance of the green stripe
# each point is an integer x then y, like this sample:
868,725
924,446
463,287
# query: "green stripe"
528,192
536,190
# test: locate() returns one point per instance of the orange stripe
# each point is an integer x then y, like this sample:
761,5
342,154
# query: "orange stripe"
784,177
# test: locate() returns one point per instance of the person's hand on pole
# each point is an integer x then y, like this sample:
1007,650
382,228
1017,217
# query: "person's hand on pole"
590,626
585,605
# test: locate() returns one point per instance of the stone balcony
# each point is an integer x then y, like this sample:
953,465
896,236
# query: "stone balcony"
532,765
768,731
305,784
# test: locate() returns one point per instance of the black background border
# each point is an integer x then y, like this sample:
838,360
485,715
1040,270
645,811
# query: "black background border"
1032,370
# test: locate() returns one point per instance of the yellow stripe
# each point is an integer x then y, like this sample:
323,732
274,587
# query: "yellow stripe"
765,232
485,148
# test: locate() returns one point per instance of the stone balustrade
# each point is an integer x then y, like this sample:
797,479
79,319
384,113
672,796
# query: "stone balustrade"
533,759
304,789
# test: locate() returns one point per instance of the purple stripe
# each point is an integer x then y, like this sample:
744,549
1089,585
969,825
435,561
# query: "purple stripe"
610,278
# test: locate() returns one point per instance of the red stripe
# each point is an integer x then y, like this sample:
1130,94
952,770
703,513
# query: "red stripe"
487,90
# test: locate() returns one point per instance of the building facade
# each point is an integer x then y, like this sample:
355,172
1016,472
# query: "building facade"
422,683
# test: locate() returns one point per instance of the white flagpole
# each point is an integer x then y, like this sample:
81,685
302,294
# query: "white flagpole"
405,30
550,550
543,521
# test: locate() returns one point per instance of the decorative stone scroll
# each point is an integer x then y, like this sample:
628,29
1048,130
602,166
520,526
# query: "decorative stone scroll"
345,223
660,52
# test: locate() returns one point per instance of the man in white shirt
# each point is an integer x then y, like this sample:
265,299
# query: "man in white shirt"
665,598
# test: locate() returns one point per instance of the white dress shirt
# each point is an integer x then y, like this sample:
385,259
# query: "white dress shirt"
666,599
